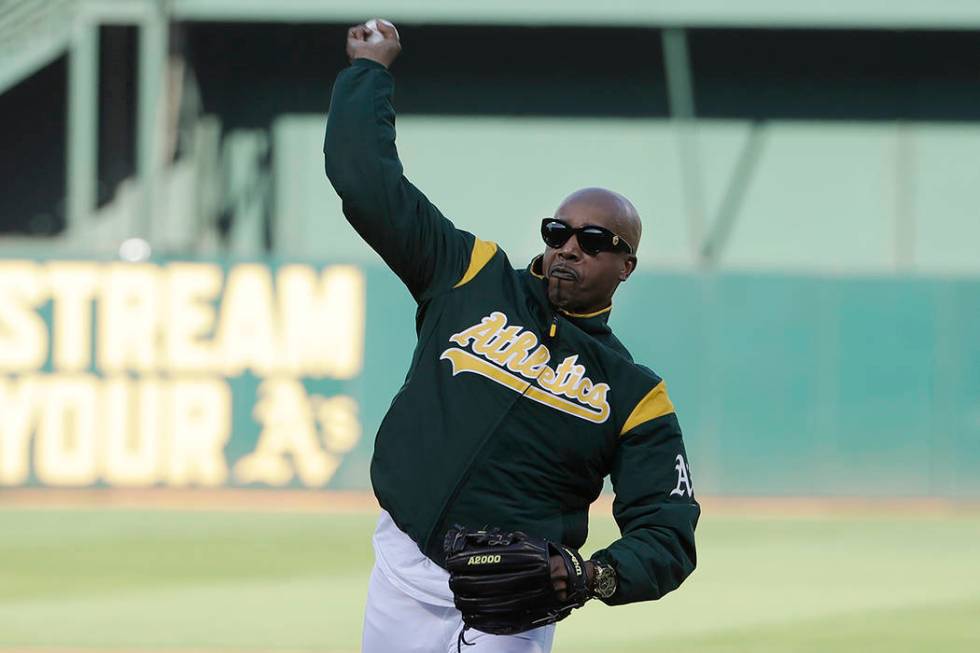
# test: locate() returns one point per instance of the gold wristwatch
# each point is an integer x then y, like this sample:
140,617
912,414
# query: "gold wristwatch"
603,580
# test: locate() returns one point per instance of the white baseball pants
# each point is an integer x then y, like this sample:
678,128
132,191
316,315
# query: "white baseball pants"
395,622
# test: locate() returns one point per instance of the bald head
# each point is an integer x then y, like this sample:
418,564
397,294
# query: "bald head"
608,209
581,282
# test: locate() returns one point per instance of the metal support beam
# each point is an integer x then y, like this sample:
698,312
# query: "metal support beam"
680,87
680,96
83,126
905,177
738,184
150,117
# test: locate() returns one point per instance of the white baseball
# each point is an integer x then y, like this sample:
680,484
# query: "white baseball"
376,35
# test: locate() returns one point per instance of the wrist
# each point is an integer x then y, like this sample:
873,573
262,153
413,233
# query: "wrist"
589,576
368,61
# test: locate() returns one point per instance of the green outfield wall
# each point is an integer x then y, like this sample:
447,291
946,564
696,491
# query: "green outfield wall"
277,374
817,197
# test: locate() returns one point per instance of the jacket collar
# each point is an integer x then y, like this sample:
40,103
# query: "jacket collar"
594,323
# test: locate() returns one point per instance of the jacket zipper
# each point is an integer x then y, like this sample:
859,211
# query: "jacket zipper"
439,526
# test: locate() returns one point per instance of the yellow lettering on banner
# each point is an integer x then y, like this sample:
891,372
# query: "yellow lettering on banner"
190,315
201,427
321,320
132,428
246,331
338,423
65,447
23,334
18,408
288,440
129,316
73,285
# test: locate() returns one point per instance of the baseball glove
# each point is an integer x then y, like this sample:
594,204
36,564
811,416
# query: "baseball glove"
502,584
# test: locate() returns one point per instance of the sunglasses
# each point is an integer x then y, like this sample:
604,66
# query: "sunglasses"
591,239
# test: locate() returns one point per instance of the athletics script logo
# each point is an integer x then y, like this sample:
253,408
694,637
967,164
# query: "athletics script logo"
513,357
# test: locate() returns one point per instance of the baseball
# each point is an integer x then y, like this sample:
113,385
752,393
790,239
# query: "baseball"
372,25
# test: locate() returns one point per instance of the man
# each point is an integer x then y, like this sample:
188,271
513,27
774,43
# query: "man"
519,399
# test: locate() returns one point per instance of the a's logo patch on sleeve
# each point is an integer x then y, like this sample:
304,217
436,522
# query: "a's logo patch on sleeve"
684,487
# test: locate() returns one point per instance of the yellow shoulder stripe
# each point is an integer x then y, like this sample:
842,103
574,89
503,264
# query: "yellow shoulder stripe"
483,251
655,404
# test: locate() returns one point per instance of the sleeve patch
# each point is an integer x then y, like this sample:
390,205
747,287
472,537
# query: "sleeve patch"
483,251
655,404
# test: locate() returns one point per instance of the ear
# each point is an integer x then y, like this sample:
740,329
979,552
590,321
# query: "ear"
629,264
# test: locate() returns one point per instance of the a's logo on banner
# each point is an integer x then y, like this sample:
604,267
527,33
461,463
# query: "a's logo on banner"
303,436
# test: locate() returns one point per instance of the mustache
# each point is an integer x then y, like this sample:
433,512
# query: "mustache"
563,272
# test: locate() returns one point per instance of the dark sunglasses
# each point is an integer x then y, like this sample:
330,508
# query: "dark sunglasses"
591,239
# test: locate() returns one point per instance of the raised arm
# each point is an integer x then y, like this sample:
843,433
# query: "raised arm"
416,241
654,508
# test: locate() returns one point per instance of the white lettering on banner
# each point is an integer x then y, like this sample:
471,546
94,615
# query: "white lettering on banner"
123,432
191,291
73,286
135,357
246,335
150,431
18,406
65,448
176,318
684,487
23,334
316,314
133,431
201,429
129,318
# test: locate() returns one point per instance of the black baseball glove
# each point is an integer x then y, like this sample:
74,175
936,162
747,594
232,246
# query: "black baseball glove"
502,582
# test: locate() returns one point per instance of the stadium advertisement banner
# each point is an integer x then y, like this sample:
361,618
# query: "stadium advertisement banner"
172,374
276,374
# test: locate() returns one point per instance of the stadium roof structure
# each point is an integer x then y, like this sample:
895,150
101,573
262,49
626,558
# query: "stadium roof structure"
868,14
35,32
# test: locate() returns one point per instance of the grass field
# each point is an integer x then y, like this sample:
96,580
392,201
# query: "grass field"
152,580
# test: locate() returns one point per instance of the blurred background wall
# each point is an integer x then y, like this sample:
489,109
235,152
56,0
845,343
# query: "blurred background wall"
182,303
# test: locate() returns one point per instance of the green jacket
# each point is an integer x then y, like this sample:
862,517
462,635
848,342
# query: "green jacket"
512,414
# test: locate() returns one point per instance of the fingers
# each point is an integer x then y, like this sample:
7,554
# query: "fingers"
559,577
380,45
387,29
357,37
557,567
561,589
358,33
